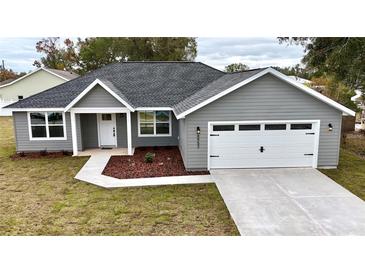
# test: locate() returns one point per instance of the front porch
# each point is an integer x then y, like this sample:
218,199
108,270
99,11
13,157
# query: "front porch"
101,131
118,151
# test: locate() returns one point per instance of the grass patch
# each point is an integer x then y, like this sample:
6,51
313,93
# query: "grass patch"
41,197
350,173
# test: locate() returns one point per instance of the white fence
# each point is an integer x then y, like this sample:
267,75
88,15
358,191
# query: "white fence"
4,111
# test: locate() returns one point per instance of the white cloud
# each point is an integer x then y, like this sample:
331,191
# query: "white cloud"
20,53
254,52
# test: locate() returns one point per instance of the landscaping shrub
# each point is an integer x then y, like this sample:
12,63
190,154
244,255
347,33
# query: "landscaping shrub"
148,158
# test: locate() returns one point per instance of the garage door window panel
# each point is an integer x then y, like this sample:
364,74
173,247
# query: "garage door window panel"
249,127
223,128
275,126
301,126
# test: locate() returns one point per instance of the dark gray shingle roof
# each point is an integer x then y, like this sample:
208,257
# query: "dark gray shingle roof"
143,84
224,82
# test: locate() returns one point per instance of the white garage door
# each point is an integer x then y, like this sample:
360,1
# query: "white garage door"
260,144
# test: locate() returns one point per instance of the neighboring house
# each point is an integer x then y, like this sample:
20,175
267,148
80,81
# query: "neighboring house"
300,80
250,119
30,84
358,99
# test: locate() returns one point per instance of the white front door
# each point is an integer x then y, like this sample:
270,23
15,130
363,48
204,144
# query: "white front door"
107,130
263,144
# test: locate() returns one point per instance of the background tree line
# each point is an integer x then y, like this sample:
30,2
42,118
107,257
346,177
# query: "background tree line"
335,66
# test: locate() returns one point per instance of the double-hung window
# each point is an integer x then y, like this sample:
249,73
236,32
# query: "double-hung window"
47,126
154,123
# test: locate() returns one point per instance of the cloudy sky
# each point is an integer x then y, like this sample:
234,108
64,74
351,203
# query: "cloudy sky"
19,53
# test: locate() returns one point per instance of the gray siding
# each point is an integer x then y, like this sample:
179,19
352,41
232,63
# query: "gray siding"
22,136
98,97
266,98
182,139
90,135
121,120
154,141
89,131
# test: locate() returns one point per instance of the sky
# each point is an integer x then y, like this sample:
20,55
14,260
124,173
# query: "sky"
19,53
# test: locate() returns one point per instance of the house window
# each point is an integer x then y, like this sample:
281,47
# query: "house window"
154,123
46,125
20,97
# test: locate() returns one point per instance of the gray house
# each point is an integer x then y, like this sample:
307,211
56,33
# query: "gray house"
250,119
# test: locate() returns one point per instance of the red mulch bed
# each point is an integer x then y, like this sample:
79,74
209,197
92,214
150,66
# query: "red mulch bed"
167,162
38,155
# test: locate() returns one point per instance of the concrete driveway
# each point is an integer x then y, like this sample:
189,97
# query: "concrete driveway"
289,202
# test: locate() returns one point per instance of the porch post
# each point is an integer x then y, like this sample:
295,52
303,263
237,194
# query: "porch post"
129,132
73,131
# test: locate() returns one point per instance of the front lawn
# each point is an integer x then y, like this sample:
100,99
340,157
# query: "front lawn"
350,173
41,197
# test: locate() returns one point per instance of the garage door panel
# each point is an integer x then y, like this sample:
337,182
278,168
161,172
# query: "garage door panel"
281,148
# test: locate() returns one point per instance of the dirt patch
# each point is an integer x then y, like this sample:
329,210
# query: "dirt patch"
40,154
167,162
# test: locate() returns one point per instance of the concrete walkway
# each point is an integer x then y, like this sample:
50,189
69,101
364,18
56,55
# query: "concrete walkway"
289,202
91,173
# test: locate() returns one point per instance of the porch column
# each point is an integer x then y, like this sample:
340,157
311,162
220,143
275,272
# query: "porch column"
74,134
129,132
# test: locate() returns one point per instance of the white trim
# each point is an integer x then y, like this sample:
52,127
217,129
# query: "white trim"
74,133
32,72
97,127
99,110
47,138
36,109
316,129
129,133
90,87
153,108
154,125
114,120
279,75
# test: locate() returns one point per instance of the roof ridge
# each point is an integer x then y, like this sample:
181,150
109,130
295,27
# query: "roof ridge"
247,70
156,61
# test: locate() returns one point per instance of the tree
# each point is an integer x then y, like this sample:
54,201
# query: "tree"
296,70
339,60
57,56
236,67
336,90
8,74
92,53
340,57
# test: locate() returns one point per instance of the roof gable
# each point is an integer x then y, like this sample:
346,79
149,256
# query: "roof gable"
98,97
64,75
108,87
211,93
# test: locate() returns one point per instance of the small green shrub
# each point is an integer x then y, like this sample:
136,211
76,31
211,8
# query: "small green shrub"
148,158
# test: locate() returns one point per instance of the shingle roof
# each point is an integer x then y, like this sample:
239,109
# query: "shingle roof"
63,73
143,84
224,82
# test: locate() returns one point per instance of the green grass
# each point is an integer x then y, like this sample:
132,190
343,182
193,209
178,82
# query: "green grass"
350,173
41,197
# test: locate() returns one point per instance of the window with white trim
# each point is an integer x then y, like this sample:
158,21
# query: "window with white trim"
154,123
47,125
